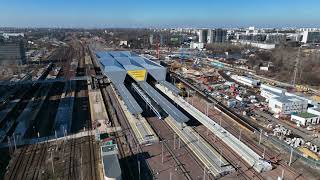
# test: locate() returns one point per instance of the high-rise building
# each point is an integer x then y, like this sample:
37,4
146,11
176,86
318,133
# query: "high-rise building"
311,37
203,35
211,36
12,53
151,38
220,35
217,35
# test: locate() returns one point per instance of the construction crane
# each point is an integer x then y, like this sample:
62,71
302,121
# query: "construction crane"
296,67
158,50
197,58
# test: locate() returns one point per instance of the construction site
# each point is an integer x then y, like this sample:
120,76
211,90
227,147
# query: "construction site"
102,113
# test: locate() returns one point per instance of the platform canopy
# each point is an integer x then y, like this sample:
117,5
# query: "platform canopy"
112,68
155,70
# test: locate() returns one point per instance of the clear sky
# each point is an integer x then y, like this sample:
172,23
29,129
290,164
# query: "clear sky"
159,13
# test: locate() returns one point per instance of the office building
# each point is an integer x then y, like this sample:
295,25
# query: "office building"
271,92
287,105
305,119
217,36
203,35
220,35
12,53
311,37
151,39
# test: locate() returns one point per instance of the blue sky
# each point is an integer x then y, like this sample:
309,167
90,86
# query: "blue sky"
159,13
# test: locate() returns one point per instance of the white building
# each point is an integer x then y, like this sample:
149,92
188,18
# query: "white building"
305,119
123,43
311,37
8,35
287,105
245,80
194,45
258,45
315,111
266,93
271,92
273,89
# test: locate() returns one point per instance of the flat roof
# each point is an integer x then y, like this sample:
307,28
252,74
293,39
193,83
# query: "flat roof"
167,106
129,100
111,166
288,99
306,115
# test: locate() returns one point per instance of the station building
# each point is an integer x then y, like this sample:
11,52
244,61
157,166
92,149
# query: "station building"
127,71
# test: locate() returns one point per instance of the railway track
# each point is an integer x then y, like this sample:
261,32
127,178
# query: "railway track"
235,160
176,158
14,172
40,161
239,119
27,163
93,172
228,123
124,149
71,165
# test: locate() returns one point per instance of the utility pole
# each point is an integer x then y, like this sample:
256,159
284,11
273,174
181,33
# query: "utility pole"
162,152
204,173
14,142
81,167
174,141
260,136
9,144
290,161
188,95
296,66
139,170
53,165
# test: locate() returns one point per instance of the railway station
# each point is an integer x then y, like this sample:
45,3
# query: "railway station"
120,115
126,70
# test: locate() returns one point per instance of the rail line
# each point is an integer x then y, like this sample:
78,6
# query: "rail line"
17,164
268,154
120,137
26,165
71,167
220,106
220,144
93,173
41,161
171,152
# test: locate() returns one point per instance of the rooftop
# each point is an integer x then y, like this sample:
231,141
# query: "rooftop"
306,115
288,99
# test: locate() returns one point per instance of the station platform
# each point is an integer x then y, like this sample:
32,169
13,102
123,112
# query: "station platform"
98,112
63,117
141,128
213,161
251,157
28,115
167,106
